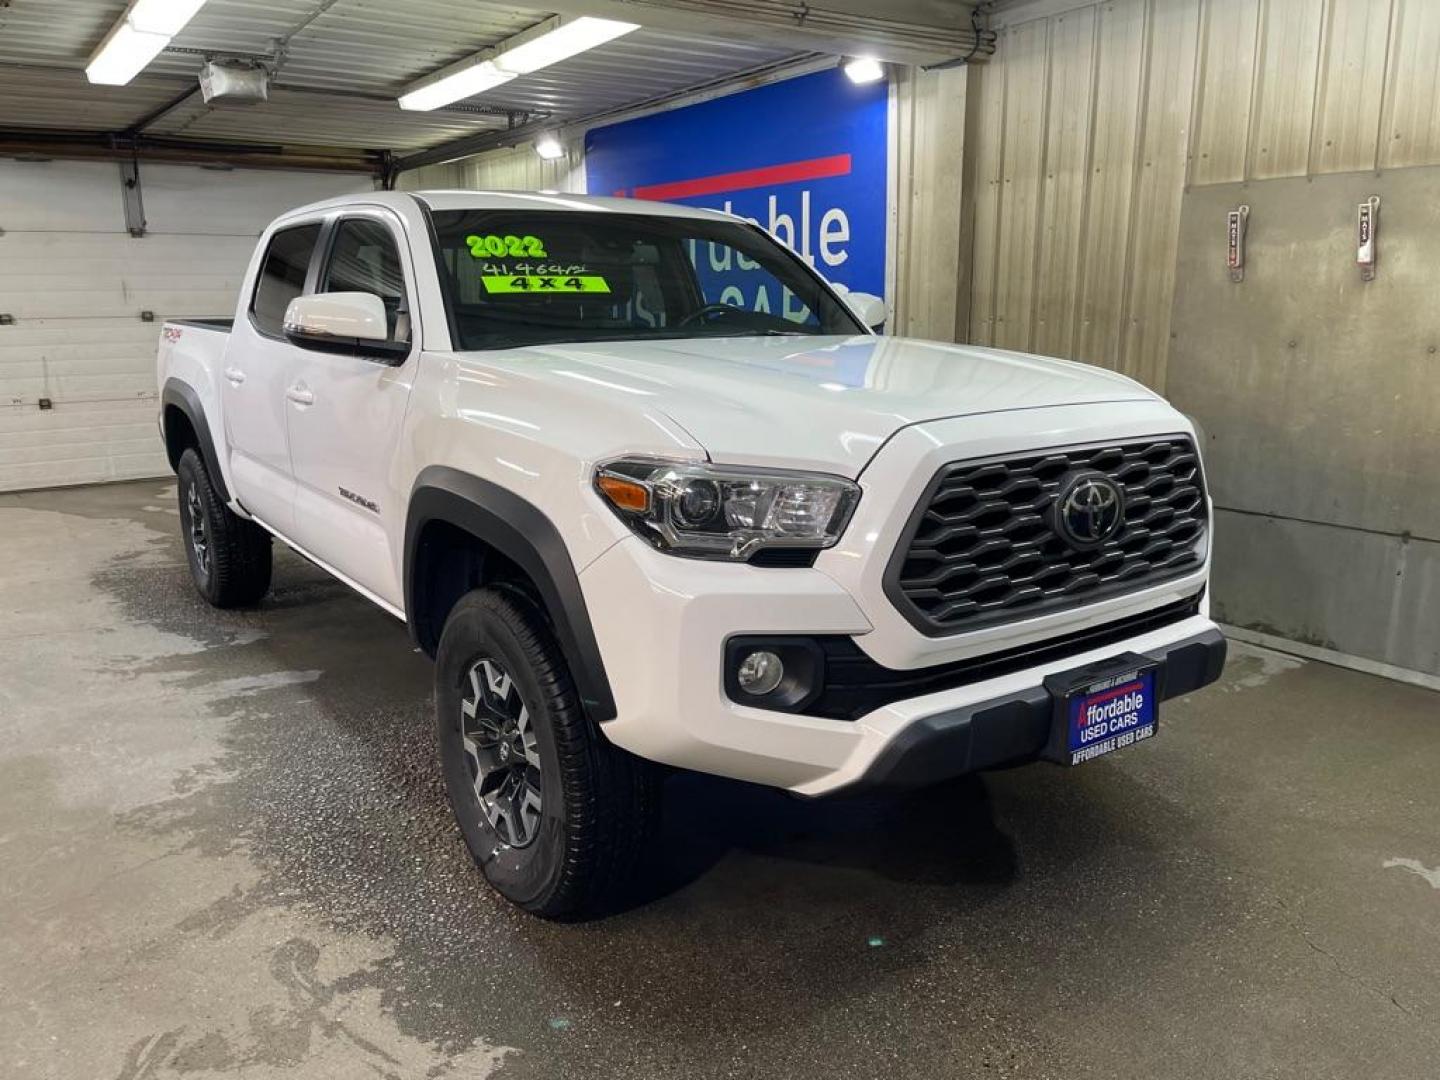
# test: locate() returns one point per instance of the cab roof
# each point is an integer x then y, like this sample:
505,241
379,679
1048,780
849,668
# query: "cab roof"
513,200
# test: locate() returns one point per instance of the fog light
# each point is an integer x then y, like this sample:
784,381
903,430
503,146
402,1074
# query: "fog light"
760,672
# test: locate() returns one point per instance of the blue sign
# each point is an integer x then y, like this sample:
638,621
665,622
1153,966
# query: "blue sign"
803,158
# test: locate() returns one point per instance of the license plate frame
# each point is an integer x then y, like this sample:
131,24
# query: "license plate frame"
1122,697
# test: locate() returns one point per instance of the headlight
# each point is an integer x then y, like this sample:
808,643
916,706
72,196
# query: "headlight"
716,512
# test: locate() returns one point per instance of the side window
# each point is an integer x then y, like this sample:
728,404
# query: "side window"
365,258
282,275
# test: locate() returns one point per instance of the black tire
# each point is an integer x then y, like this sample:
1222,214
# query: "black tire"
230,558
598,804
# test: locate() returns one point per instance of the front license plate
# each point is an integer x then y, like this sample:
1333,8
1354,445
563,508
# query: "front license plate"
1109,713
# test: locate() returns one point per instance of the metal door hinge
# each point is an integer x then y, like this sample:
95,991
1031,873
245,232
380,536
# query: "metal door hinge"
1366,230
131,197
1237,221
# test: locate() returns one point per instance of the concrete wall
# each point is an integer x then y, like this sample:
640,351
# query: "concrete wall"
1320,396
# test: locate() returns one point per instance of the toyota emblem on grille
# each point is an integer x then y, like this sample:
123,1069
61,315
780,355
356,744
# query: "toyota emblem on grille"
1089,510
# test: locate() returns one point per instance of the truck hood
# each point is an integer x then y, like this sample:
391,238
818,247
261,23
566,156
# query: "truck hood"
824,403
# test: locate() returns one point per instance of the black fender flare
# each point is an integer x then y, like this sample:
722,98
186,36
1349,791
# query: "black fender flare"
182,395
523,534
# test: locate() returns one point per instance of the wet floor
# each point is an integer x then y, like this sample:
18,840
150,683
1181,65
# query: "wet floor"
225,850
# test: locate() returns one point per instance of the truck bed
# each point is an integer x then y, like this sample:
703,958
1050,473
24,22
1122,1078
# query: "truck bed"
223,325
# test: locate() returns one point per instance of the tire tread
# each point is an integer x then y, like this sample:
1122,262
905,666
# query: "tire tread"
611,796
241,555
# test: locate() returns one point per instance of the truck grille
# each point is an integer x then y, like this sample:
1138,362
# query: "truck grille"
983,546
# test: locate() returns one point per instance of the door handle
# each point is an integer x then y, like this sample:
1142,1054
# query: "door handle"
300,395
235,375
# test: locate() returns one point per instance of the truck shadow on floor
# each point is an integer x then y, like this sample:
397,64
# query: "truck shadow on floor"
892,836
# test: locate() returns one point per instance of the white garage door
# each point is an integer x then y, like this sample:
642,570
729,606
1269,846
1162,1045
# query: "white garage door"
77,354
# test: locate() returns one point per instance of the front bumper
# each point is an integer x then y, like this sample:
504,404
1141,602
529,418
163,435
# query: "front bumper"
662,622
1016,727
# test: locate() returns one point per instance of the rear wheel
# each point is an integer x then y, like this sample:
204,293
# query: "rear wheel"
230,558
555,816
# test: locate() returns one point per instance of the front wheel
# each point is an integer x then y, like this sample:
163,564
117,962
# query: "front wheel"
554,815
230,558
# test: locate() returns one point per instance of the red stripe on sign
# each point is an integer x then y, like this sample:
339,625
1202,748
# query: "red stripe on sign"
813,169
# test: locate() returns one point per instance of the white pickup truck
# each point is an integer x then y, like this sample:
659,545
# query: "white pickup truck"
650,491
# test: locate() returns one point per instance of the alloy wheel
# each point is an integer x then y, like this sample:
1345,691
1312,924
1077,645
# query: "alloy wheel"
501,752
199,529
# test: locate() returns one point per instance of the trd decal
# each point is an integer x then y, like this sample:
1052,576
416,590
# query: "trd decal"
360,500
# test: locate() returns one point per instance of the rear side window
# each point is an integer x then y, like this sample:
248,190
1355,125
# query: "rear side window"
365,258
282,276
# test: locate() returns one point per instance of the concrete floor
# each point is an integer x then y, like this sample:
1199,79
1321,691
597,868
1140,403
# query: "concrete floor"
224,851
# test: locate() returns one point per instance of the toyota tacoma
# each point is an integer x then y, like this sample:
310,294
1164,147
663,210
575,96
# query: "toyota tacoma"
653,493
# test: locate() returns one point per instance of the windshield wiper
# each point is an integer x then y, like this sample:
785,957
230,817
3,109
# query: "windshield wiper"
578,337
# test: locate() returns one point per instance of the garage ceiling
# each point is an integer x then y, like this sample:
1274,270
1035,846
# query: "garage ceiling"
337,69
337,65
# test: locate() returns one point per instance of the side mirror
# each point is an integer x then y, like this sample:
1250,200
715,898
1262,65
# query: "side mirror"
351,322
868,308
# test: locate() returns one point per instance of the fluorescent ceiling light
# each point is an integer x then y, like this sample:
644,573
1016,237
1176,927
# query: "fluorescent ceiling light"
864,69
565,41
146,27
124,55
464,83
549,148
162,16
531,52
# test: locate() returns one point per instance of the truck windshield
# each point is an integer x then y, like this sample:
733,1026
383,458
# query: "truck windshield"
515,278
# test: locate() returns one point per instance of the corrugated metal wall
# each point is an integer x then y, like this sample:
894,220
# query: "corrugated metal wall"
929,295
1093,118
516,169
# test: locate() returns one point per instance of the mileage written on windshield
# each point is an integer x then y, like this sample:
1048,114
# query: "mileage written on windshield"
541,268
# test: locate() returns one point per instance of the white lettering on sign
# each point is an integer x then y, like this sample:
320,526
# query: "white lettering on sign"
1119,742
791,225
1106,719
782,227
834,228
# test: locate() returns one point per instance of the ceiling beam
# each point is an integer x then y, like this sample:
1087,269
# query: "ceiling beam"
160,110
921,32
45,143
